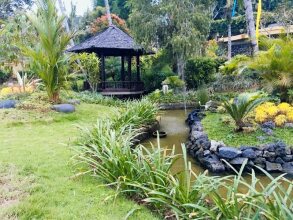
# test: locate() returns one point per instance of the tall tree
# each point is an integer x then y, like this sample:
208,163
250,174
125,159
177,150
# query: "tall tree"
229,5
108,12
180,25
250,25
118,7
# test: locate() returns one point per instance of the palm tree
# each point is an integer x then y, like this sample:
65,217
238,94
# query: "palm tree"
228,7
47,56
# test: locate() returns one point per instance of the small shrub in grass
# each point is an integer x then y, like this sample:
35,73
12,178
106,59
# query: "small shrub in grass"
94,98
202,95
136,114
170,97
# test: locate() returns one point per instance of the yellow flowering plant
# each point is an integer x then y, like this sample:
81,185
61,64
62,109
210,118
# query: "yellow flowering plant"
280,120
280,114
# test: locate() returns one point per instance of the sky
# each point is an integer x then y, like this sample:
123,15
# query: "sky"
81,5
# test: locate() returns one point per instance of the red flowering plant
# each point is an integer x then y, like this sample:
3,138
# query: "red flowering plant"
102,22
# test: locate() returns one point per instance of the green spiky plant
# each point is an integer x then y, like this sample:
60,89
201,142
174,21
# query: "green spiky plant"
239,107
48,59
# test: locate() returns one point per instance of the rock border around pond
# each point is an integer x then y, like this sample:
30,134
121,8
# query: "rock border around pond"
272,157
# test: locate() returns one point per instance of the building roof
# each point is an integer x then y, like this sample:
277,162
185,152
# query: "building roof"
110,42
272,30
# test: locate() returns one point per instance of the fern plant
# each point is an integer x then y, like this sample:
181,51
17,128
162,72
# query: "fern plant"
239,107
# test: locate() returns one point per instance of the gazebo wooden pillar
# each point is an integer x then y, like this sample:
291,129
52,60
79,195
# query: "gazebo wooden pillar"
103,72
129,68
122,68
137,68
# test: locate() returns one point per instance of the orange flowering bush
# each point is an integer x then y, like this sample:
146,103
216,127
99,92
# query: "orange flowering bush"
102,22
269,111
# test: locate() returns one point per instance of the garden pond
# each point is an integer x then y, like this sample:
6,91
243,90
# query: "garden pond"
173,123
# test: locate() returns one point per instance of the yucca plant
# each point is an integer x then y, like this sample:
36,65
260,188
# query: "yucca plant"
47,57
240,106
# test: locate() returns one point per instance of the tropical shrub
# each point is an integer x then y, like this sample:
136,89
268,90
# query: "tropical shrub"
47,58
170,97
155,69
136,114
174,82
235,65
89,65
202,95
275,65
93,98
247,80
239,107
198,71
280,114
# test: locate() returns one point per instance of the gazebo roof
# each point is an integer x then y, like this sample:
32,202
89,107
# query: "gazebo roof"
110,42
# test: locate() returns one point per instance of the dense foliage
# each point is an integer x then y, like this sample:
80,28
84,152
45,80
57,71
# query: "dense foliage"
89,65
199,71
160,97
275,65
118,7
179,26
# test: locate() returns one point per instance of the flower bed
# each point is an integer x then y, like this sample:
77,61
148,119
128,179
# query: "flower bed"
274,157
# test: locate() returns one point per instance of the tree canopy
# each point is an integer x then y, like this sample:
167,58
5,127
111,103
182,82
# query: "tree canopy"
182,26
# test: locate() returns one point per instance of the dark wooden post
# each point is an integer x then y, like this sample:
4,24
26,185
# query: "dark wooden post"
129,68
103,71
122,69
137,68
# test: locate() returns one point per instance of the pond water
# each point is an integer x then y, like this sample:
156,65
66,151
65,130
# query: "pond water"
173,122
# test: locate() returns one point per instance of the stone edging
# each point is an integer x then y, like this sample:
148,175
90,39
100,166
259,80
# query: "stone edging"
146,132
273,157
176,106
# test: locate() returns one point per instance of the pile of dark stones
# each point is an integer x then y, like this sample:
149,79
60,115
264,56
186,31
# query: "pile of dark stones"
272,157
6,104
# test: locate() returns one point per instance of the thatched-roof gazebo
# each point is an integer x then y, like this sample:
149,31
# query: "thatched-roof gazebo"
114,42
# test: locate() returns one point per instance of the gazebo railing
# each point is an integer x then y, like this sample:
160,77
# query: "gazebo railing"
122,85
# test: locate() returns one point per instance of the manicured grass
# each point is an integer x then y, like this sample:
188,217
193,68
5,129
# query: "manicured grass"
41,150
217,130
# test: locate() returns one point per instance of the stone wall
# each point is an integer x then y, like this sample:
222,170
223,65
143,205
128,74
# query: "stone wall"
273,157
176,106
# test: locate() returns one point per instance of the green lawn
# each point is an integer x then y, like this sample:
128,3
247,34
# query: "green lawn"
35,149
217,130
